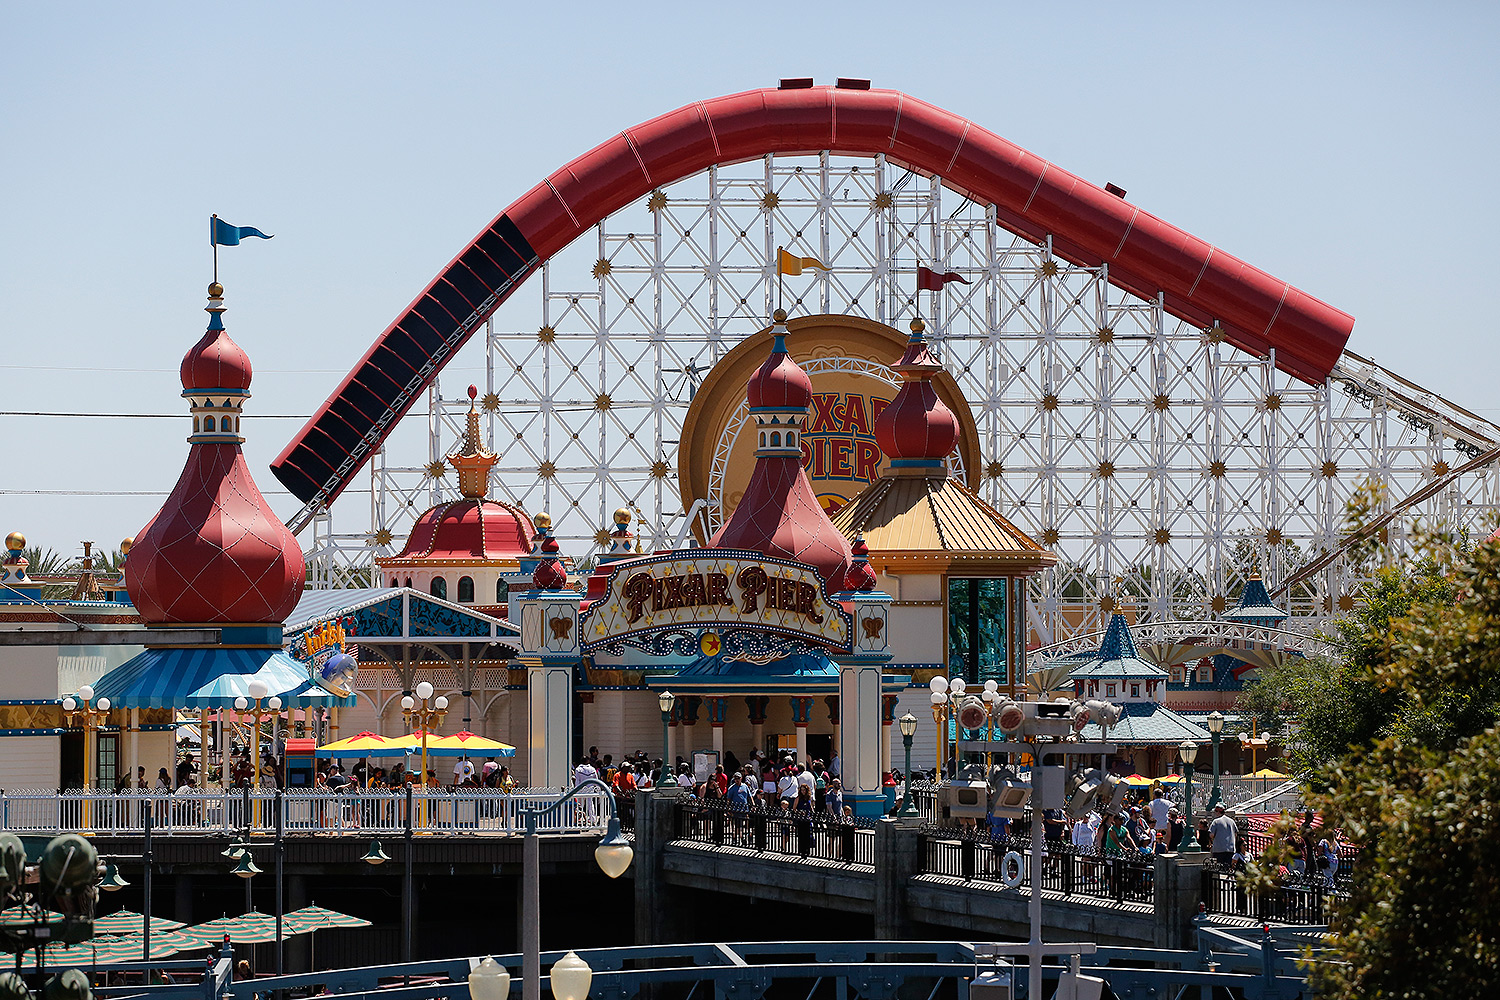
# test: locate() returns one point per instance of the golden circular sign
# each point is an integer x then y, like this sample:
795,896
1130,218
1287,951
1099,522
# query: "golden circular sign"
848,360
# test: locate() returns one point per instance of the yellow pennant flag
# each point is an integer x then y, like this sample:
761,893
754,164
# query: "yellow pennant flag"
787,264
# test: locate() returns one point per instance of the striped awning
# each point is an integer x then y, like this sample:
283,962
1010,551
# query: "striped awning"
210,677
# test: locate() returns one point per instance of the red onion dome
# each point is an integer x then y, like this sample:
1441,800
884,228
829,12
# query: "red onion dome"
917,425
779,382
216,361
215,552
549,573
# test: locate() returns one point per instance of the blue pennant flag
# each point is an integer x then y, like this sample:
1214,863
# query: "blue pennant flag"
222,234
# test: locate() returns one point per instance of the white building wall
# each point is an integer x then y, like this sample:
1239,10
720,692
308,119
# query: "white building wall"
28,762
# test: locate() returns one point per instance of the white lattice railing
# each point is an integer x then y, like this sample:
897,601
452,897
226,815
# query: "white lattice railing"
230,812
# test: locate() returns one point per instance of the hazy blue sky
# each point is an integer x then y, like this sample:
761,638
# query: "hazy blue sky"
1349,148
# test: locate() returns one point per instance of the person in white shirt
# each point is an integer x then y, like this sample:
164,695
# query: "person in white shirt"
786,787
1160,809
463,768
806,777
584,771
834,767
1083,833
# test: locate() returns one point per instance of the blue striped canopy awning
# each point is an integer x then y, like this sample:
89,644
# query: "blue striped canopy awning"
210,677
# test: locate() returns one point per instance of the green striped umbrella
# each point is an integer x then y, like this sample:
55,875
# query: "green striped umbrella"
247,928
130,922
99,951
163,945
315,918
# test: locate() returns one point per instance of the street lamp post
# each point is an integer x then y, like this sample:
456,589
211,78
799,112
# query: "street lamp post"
91,718
263,707
939,686
1216,727
668,776
1188,751
432,710
613,855
908,726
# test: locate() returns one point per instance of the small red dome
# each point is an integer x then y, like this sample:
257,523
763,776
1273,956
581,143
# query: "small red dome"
861,576
470,529
780,381
917,424
549,573
216,362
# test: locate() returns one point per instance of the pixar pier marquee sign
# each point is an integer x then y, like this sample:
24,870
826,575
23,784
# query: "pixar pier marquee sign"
718,589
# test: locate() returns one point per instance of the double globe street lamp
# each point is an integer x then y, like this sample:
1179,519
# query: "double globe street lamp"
263,707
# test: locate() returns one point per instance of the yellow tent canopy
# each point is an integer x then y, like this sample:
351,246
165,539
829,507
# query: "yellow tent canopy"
1267,773
467,744
364,744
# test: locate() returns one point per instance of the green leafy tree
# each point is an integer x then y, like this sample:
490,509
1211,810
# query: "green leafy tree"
1422,795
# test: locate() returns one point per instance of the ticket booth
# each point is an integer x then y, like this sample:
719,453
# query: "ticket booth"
299,762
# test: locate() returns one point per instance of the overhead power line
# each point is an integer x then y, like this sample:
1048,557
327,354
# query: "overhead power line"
139,416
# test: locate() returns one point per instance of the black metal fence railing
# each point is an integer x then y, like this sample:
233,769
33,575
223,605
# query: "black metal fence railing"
1296,900
966,853
778,831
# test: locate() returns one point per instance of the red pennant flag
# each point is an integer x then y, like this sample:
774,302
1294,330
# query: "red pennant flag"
929,280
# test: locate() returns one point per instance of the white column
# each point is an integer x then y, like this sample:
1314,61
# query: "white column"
135,743
860,736
885,747
549,730
802,742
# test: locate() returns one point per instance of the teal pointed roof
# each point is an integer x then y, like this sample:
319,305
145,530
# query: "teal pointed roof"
1147,723
1255,605
1117,657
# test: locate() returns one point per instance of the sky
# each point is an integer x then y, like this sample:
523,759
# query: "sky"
1348,148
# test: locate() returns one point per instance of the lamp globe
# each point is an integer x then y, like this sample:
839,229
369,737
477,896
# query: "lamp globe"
489,981
571,978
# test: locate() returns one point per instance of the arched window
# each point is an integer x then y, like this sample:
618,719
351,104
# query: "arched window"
440,587
762,439
502,591
407,583
466,590
208,423
197,426
791,439
775,439
395,582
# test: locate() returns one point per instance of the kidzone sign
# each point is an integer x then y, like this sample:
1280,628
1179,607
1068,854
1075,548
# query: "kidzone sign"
847,358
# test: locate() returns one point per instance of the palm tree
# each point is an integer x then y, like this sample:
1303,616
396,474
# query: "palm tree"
45,563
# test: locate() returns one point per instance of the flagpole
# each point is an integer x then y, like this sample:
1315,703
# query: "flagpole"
779,277
213,237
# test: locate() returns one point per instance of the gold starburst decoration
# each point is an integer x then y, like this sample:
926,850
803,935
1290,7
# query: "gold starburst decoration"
546,470
601,268
1049,402
384,536
546,335
1219,603
1163,536
770,200
1216,470
490,403
1162,401
1346,602
602,402
1051,536
1214,335
1107,604
435,470
1049,269
1273,401
1440,468
601,537
1330,469
1106,470
657,201
994,470
660,469
1273,536
882,201
1106,335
